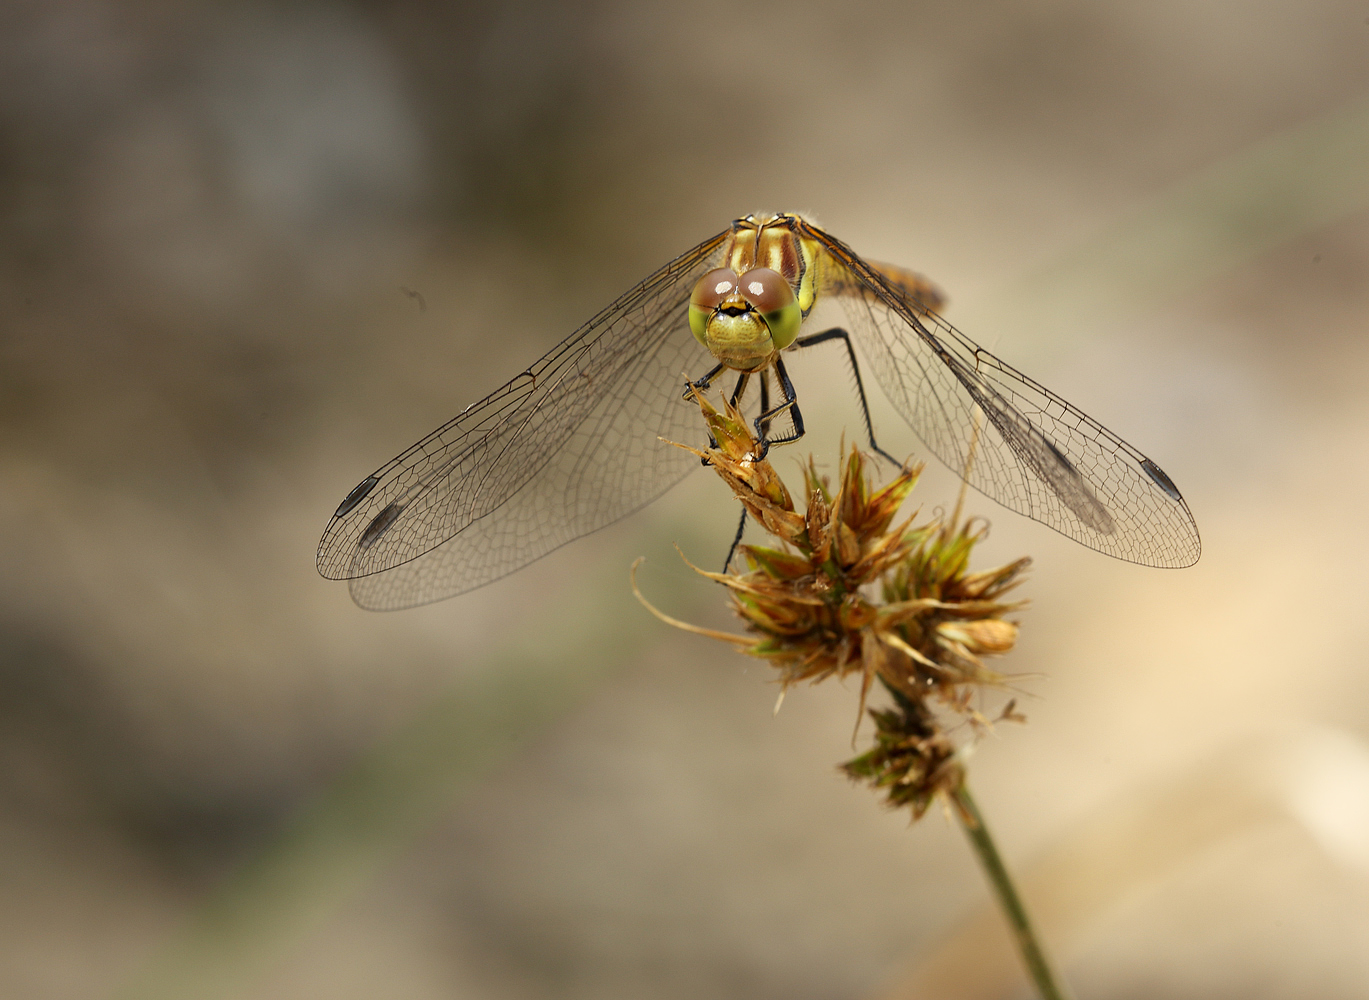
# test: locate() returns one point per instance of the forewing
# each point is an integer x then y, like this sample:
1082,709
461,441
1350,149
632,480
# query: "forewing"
566,447
1008,436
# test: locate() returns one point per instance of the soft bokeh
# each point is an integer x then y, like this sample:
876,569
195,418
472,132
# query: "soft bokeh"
249,251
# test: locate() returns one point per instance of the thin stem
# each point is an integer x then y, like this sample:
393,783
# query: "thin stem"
1033,955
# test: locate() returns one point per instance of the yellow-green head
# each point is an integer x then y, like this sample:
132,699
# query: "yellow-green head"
745,319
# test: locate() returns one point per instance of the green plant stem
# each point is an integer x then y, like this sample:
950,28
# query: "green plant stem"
1033,955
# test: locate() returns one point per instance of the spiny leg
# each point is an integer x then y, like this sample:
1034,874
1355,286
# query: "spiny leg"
765,400
836,333
790,403
742,379
699,385
736,540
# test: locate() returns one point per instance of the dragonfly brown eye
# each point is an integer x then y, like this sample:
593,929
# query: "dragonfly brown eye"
713,287
766,289
774,299
708,294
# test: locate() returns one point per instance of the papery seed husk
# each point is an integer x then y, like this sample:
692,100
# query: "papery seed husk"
988,635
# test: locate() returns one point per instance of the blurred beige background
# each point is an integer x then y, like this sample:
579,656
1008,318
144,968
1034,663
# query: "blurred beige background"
249,251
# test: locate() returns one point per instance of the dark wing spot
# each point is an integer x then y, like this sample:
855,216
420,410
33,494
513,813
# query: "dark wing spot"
358,494
1158,477
1075,494
379,524
1061,455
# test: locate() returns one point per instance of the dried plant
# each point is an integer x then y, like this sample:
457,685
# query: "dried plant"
846,590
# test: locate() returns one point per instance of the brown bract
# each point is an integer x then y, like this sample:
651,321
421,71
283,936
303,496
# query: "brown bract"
846,590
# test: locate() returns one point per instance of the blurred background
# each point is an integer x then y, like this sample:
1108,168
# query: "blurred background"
249,251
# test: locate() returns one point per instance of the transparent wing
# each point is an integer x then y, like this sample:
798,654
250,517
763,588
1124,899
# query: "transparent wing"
567,447
1009,437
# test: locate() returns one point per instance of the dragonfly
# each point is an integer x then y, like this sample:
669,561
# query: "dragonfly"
579,439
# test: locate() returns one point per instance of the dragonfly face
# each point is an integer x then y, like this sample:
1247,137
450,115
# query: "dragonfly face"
574,442
744,320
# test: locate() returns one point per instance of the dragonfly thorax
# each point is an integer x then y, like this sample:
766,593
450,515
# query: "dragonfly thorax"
744,320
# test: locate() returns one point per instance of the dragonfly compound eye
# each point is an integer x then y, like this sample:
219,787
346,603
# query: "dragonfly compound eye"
709,293
774,299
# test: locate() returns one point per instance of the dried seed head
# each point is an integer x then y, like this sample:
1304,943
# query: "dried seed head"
846,591
913,761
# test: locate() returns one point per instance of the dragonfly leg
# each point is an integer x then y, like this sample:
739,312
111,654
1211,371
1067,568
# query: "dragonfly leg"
790,403
742,379
765,400
736,540
837,333
703,383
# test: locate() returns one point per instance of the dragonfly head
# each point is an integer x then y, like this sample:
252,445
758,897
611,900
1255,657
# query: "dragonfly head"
743,320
